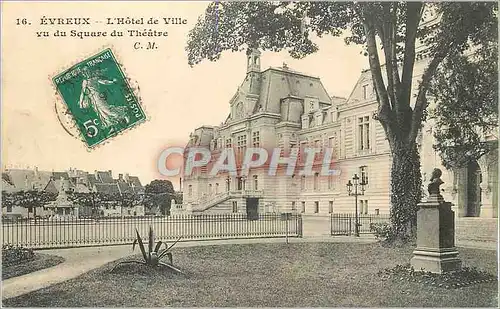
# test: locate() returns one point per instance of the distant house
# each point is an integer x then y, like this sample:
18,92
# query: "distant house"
73,180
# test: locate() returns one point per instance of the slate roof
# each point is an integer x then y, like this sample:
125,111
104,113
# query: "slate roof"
6,178
124,187
279,83
134,180
107,188
59,175
24,179
105,177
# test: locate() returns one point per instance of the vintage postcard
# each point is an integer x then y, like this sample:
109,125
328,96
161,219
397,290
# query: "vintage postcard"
249,154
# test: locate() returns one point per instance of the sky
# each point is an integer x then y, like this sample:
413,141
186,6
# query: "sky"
175,97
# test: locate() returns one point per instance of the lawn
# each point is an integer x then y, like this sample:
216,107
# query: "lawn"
294,275
37,262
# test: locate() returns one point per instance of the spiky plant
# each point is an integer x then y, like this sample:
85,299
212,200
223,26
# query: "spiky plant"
153,257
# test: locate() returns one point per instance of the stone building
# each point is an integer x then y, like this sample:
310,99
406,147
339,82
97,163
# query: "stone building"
279,107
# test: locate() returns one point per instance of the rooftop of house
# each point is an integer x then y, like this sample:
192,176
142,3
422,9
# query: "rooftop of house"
34,179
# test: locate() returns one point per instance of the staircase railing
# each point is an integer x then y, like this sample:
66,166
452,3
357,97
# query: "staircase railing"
208,202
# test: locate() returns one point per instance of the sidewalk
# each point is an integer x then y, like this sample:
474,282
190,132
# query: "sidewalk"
81,260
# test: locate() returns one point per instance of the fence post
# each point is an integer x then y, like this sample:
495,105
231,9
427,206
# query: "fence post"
350,227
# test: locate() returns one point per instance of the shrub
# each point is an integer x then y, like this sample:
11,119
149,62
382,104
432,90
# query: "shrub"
12,255
382,231
152,257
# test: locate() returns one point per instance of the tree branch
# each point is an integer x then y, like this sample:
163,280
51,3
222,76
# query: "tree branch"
421,103
384,110
413,15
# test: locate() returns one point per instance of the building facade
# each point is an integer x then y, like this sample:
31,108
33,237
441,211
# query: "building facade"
279,107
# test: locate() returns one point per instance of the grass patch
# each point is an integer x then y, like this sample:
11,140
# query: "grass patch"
37,262
267,275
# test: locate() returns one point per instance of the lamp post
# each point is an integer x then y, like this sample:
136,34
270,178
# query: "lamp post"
355,183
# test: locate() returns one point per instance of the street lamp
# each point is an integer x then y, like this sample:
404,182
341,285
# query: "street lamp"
355,183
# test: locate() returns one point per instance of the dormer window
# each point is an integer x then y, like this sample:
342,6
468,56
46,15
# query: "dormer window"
365,92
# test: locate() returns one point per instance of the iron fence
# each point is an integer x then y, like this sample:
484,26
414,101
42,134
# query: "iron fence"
344,224
76,232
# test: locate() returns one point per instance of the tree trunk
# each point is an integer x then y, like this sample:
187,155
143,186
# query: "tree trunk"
406,188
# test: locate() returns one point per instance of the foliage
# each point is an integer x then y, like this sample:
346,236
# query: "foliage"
94,200
451,280
159,186
467,89
159,195
154,254
382,230
396,26
27,199
12,255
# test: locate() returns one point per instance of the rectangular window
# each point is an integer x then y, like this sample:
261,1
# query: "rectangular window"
366,207
216,188
294,207
229,143
255,182
235,206
241,144
363,174
365,92
367,132
303,207
360,134
364,133
256,139
316,181
303,182
190,190
316,207
360,207
330,207
301,157
330,182
210,189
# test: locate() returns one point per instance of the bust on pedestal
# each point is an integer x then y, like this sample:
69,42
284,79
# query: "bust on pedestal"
435,250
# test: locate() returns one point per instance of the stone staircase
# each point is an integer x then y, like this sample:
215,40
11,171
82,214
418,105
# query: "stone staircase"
472,230
211,202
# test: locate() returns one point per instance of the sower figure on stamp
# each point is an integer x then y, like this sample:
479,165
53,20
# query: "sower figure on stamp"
94,94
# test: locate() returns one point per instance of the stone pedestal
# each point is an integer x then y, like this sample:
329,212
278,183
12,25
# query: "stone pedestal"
435,250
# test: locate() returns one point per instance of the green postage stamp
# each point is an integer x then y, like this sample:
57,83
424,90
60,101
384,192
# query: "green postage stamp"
99,97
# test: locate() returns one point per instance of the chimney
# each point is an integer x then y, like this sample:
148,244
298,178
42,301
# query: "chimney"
120,176
110,173
126,177
36,171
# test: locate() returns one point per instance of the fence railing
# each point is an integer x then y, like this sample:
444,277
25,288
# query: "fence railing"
344,224
59,233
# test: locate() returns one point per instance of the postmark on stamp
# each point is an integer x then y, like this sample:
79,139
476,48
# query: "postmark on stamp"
99,97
